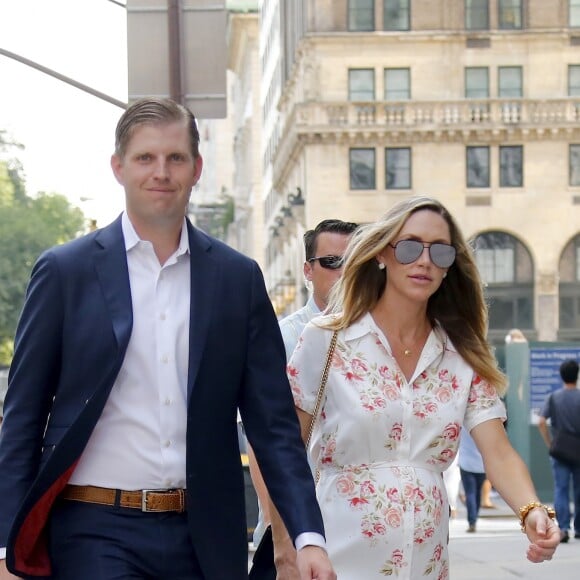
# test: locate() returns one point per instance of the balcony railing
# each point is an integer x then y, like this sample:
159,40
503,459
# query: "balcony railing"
424,115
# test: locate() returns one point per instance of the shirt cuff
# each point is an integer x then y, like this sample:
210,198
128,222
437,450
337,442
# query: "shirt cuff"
310,539
2,553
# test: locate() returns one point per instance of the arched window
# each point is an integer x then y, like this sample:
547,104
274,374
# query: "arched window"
507,271
569,291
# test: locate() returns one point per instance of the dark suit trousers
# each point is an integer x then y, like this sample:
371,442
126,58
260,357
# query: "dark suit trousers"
96,542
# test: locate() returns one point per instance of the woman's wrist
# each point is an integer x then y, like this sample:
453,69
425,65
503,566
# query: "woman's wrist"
525,510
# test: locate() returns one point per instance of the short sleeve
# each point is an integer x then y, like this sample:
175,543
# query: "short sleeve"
483,404
546,408
306,365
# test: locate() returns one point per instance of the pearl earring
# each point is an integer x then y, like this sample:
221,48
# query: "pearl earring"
444,274
381,266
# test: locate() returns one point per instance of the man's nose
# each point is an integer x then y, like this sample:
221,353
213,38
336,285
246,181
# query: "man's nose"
161,169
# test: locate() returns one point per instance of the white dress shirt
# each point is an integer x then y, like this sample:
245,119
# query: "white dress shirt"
139,440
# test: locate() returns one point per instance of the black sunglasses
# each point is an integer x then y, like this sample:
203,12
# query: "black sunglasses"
328,262
407,251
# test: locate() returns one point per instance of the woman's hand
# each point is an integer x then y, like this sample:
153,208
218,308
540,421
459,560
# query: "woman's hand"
544,535
4,574
285,560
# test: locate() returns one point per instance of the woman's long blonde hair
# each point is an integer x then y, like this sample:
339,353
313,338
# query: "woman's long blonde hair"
458,305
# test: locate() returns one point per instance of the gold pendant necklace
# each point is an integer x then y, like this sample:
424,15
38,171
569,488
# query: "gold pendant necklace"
407,352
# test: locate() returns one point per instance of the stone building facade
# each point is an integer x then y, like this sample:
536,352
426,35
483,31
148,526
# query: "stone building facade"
474,102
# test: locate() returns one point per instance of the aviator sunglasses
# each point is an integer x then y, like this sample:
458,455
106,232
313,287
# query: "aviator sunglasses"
328,262
407,251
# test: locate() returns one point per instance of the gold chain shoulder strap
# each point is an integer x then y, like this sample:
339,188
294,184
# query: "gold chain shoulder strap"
322,386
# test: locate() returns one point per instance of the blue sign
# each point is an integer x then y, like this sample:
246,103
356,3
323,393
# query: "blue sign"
545,373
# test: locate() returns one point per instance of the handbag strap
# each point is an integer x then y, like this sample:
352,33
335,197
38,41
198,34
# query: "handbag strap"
322,386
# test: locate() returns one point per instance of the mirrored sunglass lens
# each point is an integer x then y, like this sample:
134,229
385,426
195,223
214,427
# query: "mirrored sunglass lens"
407,251
442,255
331,262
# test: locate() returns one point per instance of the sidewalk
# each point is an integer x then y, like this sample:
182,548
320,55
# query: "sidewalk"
501,510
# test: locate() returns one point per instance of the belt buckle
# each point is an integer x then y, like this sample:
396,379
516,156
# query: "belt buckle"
144,493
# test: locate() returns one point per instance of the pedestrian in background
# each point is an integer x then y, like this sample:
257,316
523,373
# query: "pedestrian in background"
562,408
411,366
472,473
136,346
324,248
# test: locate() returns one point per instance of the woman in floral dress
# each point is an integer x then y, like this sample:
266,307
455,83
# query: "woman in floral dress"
411,366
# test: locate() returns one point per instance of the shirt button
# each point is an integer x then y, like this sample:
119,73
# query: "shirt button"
167,401
162,316
167,443
164,358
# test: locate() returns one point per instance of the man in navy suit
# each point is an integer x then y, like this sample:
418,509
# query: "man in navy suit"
135,348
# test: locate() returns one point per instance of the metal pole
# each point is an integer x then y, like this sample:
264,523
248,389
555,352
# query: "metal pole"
63,78
175,67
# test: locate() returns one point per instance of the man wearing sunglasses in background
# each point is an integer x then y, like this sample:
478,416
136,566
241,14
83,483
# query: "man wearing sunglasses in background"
324,248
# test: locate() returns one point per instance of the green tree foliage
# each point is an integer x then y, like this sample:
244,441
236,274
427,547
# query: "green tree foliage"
28,226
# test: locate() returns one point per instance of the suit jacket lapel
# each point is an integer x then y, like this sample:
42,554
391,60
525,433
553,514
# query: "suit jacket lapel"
205,273
111,266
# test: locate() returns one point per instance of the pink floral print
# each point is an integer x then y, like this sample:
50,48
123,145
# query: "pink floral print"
381,444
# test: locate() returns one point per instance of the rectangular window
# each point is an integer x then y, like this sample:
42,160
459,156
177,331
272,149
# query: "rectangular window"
573,80
574,15
569,309
477,82
510,82
361,84
398,168
397,84
496,265
477,160
362,169
396,14
575,166
361,15
477,14
509,14
511,166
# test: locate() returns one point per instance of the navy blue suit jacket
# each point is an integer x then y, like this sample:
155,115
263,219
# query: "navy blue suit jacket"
70,345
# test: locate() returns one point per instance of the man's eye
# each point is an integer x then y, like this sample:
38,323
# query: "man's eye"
177,157
144,157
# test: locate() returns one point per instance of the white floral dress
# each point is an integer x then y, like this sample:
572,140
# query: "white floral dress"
381,444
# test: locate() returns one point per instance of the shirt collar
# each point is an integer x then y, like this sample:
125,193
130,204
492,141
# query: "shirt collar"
132,238
437,340
312,307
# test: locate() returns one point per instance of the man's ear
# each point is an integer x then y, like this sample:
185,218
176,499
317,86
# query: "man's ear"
308,271
198,167
116,166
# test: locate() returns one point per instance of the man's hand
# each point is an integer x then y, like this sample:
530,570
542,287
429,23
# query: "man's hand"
4,574
313,564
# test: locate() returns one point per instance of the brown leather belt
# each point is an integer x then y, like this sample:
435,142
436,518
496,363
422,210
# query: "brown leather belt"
146,500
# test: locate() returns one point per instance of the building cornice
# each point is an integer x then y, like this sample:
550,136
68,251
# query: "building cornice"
369,124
